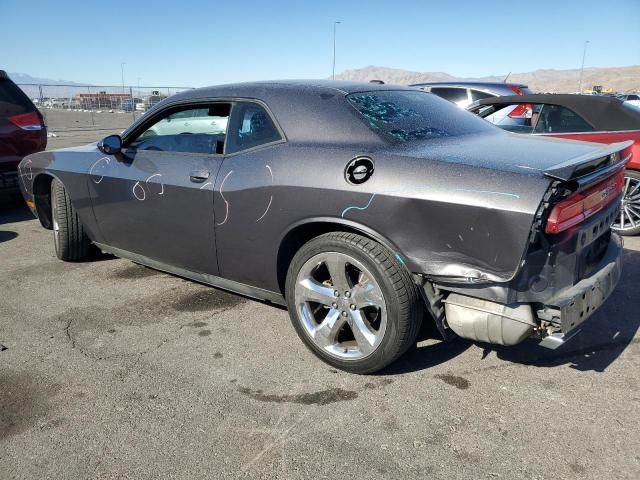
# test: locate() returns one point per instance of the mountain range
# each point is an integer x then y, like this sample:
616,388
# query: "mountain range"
619,79
24,78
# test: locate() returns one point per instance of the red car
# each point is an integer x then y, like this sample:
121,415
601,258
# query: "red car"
22,130
589,118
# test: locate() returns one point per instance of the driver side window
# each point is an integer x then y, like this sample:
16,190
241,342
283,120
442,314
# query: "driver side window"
188,130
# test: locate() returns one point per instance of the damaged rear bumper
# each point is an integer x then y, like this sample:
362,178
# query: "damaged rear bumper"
564,314
555,320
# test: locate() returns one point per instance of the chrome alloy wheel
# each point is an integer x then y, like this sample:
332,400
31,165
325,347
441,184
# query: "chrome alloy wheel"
340,305
629,217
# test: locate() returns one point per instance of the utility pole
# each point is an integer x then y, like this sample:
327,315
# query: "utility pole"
135,109
584,54
123,92
333,70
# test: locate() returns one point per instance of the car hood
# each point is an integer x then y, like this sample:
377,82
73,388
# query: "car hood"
90,147
501,151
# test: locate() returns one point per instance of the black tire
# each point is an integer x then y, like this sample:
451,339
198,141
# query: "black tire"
404,306
634,177
69,238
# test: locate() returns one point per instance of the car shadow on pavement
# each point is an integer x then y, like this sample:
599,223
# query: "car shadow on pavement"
603,338
426,356
13,208
6,235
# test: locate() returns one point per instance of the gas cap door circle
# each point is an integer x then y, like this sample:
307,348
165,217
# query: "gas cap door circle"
359,170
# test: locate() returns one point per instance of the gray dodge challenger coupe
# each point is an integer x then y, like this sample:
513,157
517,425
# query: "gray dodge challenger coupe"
365,209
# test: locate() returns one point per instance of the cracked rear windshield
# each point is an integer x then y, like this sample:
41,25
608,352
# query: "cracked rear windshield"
401,116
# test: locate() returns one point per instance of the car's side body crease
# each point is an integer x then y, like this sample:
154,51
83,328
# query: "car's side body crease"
213,280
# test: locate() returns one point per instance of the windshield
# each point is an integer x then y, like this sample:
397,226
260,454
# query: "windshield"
401,116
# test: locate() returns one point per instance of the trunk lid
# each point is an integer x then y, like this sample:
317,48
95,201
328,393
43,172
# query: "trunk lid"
549,157
592,165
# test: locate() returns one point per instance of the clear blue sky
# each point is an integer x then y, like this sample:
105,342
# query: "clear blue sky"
198,42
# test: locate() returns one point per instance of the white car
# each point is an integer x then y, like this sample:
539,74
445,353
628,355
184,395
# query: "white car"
192,121
631,98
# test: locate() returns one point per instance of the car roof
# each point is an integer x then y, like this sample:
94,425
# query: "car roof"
602,112
264,88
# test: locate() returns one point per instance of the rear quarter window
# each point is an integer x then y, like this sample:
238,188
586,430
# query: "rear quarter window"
13,101
452,94
250,127
400,116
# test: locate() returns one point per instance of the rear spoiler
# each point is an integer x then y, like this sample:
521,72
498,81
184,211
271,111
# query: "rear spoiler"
593,165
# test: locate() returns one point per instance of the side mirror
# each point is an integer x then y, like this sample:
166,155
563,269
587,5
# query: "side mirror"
111,145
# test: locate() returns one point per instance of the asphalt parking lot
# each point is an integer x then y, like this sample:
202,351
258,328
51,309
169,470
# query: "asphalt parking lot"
73,128
114,370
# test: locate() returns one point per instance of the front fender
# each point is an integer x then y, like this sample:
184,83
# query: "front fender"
70,167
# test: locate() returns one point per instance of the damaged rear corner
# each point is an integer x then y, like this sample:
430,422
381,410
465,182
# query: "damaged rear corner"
560,283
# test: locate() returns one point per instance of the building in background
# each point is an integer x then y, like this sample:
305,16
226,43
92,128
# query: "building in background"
103,100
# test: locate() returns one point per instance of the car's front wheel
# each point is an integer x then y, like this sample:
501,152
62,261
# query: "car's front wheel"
352,302
69,238
628,221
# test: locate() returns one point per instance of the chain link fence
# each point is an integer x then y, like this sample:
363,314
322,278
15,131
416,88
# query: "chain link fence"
77,114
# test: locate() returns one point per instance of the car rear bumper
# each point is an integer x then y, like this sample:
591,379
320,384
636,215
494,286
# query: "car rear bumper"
556,319
8,180
566,312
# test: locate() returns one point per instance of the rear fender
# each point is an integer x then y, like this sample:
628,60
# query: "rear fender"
304,230
348,225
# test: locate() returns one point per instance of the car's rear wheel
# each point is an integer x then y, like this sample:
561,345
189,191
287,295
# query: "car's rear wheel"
69,238
628,221
352,302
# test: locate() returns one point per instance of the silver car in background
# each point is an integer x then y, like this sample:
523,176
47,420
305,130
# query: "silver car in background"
464,94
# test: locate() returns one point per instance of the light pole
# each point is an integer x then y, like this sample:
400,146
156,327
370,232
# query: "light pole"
122,74
584,54
333,70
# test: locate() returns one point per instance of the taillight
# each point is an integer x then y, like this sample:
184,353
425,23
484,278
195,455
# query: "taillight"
27,121
582,205
521,110
516,90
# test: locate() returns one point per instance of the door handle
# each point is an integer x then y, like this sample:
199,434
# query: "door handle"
199,176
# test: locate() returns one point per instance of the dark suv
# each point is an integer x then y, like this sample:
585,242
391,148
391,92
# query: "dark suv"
22,130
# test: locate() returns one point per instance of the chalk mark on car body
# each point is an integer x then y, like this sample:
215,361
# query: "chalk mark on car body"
226,203
161,184
92,174
355,207
144,194
270,196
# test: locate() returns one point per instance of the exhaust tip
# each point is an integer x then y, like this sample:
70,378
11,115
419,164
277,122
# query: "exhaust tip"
556,340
